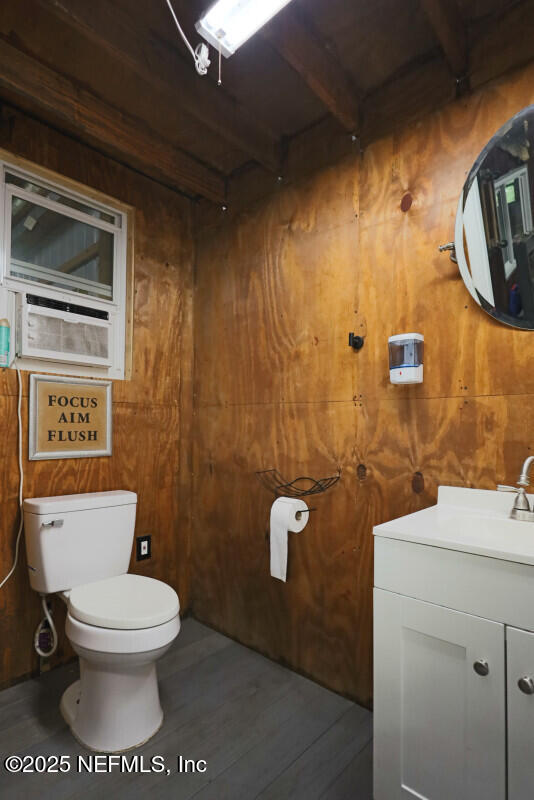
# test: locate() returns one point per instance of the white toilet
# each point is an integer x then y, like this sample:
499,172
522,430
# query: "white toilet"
79,546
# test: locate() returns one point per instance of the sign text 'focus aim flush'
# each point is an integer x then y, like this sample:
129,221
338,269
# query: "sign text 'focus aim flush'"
69,418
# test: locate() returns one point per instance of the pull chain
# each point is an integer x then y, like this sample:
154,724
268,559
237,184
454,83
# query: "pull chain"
219,82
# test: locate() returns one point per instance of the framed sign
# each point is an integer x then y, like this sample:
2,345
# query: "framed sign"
69,418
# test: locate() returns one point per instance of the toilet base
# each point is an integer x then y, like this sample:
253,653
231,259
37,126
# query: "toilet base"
68,707
115,705
69,703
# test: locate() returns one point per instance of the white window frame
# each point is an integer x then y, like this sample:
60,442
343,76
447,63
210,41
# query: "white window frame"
521,175
13,289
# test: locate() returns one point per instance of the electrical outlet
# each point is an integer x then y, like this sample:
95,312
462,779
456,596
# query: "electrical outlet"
143,547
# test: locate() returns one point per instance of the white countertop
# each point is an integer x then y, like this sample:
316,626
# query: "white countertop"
471,520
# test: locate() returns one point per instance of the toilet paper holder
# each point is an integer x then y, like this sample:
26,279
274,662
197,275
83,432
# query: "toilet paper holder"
299,514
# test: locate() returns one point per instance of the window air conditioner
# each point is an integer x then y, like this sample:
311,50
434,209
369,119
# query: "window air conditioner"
56,331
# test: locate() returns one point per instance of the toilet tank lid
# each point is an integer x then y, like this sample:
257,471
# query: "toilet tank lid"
78,502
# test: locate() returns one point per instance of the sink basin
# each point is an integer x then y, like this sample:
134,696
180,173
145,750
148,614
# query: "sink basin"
470,520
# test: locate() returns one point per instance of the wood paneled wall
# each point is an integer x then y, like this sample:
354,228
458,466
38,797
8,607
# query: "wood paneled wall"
280,281
152,412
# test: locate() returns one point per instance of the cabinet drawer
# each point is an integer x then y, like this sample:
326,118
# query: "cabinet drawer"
520,662
486,587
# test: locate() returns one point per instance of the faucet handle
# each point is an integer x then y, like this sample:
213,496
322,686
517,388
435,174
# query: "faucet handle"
521,508
521,500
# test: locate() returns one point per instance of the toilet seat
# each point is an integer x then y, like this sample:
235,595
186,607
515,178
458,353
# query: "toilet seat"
124,602
113,640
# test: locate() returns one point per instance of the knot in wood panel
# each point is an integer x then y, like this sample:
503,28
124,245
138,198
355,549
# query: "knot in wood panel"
406,202
418,482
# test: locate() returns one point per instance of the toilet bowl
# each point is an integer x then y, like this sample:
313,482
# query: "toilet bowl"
118,627
119,624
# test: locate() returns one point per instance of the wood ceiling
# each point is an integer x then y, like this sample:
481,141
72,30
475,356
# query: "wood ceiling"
115,74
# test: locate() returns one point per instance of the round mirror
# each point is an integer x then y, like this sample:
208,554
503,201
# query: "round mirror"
494,237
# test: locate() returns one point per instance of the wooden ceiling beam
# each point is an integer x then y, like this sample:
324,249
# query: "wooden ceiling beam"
289,34
125,137
447,24
109,27
425,87
497,47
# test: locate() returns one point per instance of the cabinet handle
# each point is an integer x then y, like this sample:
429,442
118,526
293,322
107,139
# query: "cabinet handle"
526,684
481,667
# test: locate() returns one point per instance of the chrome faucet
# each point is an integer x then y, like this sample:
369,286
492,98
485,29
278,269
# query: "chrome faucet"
521,508
524,477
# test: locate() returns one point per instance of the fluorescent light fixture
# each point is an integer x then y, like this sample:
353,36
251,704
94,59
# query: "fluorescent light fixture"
227,24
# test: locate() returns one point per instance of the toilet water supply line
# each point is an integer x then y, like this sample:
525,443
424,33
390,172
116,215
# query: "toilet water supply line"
41,631
47,619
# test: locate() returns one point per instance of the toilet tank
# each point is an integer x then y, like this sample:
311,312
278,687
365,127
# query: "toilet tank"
78,538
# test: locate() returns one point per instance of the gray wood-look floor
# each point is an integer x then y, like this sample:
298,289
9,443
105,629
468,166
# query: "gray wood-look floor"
264,732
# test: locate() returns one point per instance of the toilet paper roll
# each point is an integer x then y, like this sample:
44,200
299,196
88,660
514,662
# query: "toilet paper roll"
287,514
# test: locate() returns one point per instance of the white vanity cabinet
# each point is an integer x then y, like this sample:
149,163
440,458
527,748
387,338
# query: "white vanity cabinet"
439,726
520,700
454,655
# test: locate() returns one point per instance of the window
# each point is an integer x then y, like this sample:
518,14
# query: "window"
64,273
514,214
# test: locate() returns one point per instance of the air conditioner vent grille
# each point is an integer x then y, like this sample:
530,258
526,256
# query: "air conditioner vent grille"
62,336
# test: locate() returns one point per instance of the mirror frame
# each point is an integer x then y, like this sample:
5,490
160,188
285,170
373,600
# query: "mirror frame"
459,227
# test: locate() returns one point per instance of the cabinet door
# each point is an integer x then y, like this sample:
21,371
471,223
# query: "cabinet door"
439,725
520,658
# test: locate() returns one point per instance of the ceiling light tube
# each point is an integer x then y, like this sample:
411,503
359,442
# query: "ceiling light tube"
227,24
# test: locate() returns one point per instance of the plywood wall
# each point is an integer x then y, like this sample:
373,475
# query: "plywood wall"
280,282
151,412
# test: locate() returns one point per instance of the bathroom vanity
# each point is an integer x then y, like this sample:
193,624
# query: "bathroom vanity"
454,651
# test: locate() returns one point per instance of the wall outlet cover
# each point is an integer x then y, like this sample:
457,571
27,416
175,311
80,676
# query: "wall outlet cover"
143,547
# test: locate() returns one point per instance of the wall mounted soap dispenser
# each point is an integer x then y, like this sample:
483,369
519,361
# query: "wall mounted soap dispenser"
406,358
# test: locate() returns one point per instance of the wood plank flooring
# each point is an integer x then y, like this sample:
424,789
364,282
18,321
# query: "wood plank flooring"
264,732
